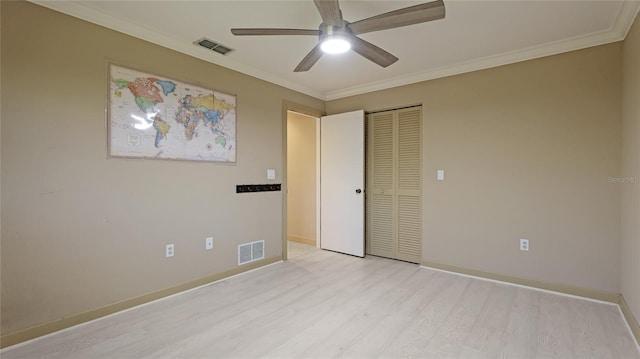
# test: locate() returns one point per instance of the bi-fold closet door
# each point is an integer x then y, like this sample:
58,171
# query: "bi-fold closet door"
394,184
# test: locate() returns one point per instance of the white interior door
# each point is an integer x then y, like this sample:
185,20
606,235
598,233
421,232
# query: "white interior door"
342,183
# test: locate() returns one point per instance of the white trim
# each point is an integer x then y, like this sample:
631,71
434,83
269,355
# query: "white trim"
626,17
15,346
624,319
616,32
629,328
519,285
558,47
86,13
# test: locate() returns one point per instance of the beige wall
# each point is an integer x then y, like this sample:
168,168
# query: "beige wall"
0,167
301,176
527,149
630,248
79,230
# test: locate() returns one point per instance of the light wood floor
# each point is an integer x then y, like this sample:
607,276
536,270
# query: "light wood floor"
295,249
323,305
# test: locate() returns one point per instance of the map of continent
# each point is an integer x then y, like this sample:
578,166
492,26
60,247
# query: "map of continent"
204,110
162,118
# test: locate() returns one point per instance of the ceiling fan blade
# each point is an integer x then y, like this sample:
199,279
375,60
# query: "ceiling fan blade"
259,31
330,12
408,16
312,57
372,52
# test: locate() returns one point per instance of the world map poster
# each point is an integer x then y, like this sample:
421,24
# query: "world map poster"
155,117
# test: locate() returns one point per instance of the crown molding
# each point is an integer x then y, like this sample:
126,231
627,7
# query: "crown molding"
78,10
626,17
617,32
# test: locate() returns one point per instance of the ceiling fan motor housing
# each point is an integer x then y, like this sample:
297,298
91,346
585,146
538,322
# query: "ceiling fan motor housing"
329,30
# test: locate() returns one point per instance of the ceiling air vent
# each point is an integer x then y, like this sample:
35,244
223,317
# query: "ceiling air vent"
214,46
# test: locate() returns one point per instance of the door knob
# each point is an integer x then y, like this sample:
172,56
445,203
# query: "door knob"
358,190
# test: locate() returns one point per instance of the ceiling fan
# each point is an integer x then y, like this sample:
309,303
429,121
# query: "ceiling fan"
337,35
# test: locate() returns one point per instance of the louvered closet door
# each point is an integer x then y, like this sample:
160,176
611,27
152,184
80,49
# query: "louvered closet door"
409,199
381,184
394,181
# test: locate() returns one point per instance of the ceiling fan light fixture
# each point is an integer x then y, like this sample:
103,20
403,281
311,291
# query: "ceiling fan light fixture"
335,45
336,35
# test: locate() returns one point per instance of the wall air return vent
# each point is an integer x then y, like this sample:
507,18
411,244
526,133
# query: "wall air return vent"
250,252
213,46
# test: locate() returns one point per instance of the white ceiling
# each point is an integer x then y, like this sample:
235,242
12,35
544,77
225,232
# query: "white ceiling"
474,35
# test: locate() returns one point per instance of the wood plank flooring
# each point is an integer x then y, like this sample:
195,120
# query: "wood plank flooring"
321,304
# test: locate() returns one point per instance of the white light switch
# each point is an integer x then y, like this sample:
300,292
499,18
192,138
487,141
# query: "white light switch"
440,175
271,174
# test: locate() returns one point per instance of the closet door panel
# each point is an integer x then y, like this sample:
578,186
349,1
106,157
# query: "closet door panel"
409,229
394,192
381,190
409,184
409,150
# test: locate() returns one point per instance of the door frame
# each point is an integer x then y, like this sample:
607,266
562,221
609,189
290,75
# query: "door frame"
309,111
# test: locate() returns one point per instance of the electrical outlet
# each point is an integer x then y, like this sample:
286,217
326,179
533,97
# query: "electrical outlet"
169,250
524,244
208,243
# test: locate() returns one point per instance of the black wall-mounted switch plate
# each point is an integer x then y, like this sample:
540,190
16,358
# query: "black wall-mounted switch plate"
249,188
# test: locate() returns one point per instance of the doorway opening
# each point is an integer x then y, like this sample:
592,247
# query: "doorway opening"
302,229
393,170
339,196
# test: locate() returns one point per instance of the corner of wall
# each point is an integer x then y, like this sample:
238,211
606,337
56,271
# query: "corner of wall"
549,286
628,316
629,180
